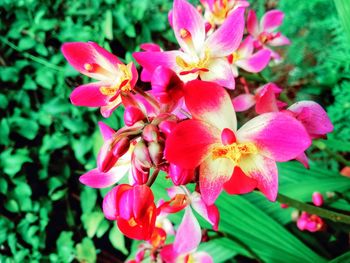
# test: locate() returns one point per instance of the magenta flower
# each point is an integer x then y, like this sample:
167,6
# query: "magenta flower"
237,160
200,56
311,223
245,58
265,33
114,78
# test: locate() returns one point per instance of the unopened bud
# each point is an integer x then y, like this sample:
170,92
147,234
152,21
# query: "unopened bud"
180,176
111,152
150,133
140,176
132,115
317,199
284,206
141,155
121,147
156,152
167,126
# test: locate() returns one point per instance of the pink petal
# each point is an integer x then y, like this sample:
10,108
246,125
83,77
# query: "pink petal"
106,131
209,213
279,41
110,201
246,48
264,171
107,110
271,20
240,183
187,18
302,158
243,102
277,136
228,36
97,179
211,103
266,98
213,173
255,63
188,235
313,117
189,143
150,47
79,54
252,24
150,60
219,72
202,257
89,95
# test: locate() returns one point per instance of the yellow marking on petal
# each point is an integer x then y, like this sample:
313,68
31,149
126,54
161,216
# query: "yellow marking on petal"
88,67
122,84
200,65
185,34
132,222
234,151
108,91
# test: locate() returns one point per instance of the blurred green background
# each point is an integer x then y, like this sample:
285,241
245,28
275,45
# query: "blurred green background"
46,215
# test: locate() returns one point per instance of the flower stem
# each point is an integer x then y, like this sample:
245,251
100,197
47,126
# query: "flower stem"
325,213
153,177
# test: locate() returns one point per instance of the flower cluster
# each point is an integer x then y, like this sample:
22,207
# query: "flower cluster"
185,125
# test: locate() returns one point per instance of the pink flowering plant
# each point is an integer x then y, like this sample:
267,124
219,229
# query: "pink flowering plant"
183,128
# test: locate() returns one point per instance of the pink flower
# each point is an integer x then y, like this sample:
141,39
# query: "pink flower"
265,100
217,11
245,58
238,161
311,223
133,208
317,199
199,55
265,33
114,78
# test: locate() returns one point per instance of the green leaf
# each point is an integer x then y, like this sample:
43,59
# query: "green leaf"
12,162
91,222
343,8
25,127
4,132
86,251
88,199
117,240
108,25
65,246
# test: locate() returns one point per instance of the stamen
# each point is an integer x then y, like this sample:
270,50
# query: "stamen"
234,151
88,67
185,34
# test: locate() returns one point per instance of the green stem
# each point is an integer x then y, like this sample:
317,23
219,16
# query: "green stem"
153,177
334,216
221,234
34,58
322,146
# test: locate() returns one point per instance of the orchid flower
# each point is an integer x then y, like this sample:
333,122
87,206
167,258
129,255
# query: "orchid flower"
311,223
217,11
237,160
200,56
245,58
265,100
315,120
101,177
265,34
187,239
133,208
115,79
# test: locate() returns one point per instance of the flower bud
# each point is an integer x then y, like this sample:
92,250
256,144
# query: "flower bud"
317,199
140,176
150,133
180,176
156,152
166,126
284,206
132,115
141,158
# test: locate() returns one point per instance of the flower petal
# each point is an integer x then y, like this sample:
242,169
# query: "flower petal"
97,179
255,63
150,60
110,201
89,95
243,102
277,136
213,173
271,20
266,98
219,72
302,158
202,257
209,213
228,36
264,171
189,234
80,54
246,48
106,131
189,143
240,183
252,24
313,117
211,103
187,18
279,41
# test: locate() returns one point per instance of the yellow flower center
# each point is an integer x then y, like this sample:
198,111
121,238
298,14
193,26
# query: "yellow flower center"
122,84
192,67
234,151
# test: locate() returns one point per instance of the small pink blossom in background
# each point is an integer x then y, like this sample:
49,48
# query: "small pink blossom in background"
317,199
311,223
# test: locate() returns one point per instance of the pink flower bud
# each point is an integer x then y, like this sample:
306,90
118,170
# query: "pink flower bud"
150,133
156,152
132,115
140,176
141,158
311,223
166,126
284,206
121,147
180,176
317,199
